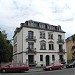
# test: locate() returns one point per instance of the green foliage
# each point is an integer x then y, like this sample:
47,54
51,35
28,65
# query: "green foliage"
6,48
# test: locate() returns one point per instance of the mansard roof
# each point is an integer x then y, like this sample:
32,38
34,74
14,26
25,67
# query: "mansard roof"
39,25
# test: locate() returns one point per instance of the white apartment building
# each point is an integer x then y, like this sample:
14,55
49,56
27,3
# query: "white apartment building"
39,44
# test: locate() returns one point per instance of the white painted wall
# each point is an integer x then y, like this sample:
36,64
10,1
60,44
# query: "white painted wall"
22,44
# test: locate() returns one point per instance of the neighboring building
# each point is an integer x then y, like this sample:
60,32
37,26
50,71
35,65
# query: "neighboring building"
70,47
39,44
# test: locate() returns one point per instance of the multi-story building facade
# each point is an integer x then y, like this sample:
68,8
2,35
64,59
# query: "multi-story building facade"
39,44
70,47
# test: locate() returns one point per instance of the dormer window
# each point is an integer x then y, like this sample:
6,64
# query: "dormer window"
26,23
36,24
55,27
59,27
45,25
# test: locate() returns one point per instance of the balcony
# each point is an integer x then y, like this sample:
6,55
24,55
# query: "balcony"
61,51
29,50
60,41
30,38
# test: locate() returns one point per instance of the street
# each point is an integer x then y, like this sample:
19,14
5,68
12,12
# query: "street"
70,71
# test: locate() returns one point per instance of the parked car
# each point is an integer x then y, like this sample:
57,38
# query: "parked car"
53,67
14,68
71,65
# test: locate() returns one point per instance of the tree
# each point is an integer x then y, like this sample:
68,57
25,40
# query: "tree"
73,38
6,48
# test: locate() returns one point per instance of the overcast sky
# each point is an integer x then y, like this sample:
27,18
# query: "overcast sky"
55,12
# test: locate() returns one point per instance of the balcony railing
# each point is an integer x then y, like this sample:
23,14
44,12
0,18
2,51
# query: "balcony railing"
60,41
61,51
31,50
33,38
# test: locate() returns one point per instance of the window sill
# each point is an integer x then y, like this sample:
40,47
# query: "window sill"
50,38
42,38
43,49
51,49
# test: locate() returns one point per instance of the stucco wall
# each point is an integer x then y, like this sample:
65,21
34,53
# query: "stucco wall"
22,45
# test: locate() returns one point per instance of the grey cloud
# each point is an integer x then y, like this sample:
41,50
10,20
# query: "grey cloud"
65,19
67,6
22,6
21,10
58,9
15,3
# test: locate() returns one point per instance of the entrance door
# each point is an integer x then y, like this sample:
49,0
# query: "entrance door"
47,60
61,58
30,59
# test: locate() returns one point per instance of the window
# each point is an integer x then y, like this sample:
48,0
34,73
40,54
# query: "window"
55,27
59,27
30,45
61,57
15,48
42,46
50,35
60,47
30,34
36,24
45,25
41,57
26,23
59,37
53,57
51,46
42,35
40,25
50,27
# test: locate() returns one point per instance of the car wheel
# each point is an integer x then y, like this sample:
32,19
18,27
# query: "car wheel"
50,69
3,71
72,66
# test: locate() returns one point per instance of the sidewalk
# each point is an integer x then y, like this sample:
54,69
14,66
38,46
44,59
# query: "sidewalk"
35,69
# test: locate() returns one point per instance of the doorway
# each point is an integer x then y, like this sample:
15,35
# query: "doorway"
47,60
31,60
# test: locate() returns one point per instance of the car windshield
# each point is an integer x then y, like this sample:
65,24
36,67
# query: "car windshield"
72,62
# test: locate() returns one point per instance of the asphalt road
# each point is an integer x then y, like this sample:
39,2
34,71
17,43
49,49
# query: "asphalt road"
40,72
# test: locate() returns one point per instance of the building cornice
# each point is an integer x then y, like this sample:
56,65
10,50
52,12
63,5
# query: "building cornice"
34,27
36,52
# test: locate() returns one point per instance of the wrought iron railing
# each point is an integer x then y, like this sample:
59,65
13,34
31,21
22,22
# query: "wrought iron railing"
60,41
33,38
31,50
